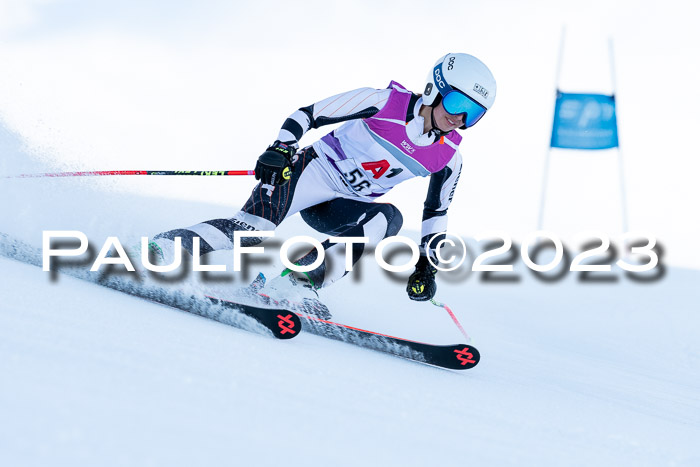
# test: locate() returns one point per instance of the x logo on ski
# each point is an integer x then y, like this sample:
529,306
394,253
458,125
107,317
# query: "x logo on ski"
286,324
465,356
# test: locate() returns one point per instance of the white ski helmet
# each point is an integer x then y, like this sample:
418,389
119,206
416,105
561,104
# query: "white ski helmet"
463,72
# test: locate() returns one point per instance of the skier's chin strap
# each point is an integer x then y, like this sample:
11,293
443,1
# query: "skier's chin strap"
435,130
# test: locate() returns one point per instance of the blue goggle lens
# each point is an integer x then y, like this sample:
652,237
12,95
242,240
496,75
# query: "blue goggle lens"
456,103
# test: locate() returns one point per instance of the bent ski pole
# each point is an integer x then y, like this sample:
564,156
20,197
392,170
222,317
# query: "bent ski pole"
454,318
136,172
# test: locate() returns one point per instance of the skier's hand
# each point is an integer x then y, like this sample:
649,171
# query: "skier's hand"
421,285
274,166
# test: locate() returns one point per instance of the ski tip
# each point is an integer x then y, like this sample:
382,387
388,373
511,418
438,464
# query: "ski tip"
462,357
287,325
283,324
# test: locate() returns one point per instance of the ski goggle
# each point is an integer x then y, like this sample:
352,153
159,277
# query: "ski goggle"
456,102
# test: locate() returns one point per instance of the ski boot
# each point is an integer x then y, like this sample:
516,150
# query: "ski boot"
294,291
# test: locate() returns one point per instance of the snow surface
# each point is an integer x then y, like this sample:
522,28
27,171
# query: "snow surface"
571,373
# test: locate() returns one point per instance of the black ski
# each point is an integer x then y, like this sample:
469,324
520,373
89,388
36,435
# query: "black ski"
283,324
317,320
453,357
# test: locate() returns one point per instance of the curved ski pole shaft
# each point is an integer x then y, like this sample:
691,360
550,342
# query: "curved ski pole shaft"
454,318
135,172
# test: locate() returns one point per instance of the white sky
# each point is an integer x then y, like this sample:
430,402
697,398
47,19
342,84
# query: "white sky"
206,86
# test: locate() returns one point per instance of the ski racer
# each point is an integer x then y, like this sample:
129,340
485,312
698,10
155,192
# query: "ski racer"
388,136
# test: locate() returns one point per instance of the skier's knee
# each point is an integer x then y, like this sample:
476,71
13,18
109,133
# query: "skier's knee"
394,220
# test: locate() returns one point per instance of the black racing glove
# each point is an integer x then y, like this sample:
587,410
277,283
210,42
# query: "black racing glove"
274,166
421,285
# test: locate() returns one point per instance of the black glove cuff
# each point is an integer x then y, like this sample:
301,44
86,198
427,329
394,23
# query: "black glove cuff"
423,265
287,150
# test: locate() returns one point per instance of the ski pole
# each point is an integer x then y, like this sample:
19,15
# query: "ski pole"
454,318
135,172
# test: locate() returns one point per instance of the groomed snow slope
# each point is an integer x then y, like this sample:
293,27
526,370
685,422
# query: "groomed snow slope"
95,377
